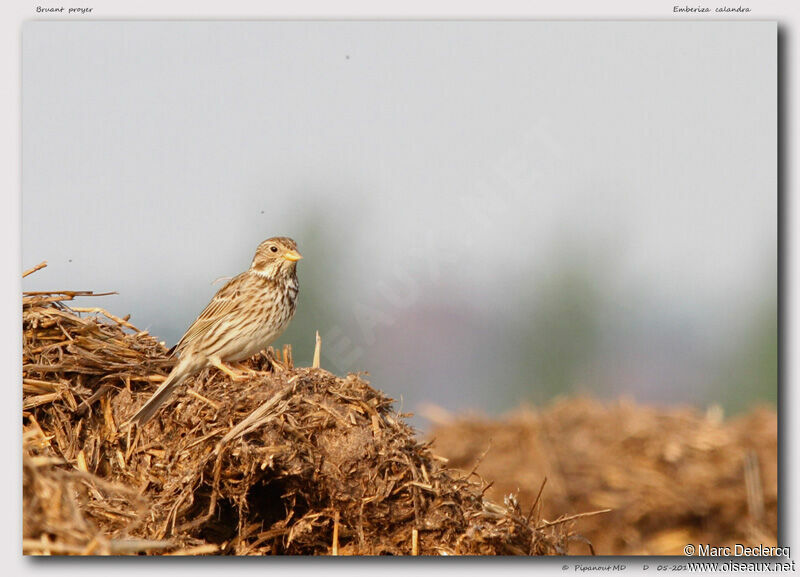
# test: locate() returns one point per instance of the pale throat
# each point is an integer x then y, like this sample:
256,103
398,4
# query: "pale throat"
273,273
264,273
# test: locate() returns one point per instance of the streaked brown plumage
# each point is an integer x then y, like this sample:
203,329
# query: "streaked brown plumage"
243,318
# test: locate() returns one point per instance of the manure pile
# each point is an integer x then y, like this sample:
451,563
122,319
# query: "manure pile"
671,476
292,461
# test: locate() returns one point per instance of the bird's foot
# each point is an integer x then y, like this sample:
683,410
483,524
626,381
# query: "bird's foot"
242,374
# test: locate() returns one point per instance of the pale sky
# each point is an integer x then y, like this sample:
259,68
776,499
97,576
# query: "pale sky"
467,156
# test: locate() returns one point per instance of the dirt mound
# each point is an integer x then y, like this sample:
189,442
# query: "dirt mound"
671,476
292,461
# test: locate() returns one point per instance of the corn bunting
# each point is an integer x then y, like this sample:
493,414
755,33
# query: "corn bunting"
246,315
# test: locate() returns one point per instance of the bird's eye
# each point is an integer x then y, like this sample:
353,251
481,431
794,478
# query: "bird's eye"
273,248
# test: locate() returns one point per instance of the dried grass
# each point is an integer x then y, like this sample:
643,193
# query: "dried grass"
671,476
292,461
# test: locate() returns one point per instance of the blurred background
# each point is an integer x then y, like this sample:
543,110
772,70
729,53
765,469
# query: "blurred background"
491,213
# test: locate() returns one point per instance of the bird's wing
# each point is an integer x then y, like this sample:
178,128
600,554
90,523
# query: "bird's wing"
223,304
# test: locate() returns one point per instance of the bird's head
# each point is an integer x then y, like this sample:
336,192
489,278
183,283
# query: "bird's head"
276,257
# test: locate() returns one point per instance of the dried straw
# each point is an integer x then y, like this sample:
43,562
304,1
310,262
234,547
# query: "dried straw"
672,475
292,461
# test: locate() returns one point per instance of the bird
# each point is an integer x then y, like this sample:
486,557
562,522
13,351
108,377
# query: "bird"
247,314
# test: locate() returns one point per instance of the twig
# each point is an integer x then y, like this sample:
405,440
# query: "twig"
107,314
252,420
317,347
335,545
536,501
572,517
31,402
197,550
480,459
752,481
197,395
39,266
31,546
83,408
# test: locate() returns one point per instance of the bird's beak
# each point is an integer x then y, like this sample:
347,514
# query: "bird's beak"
292,255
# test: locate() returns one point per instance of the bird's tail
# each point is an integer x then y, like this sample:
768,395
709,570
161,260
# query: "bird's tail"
182,370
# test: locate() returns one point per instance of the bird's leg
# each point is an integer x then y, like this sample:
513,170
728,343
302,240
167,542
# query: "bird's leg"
243,370
227,370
